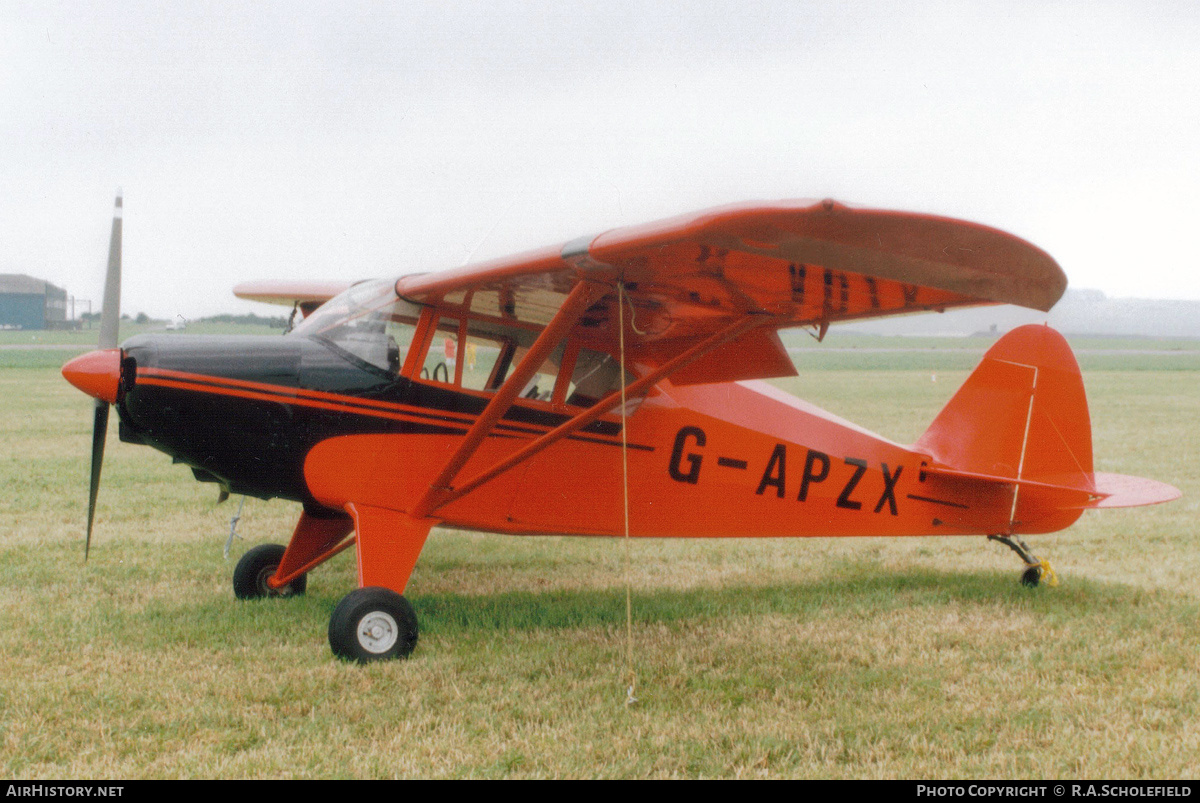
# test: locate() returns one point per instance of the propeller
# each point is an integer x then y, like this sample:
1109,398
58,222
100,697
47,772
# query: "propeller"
98,373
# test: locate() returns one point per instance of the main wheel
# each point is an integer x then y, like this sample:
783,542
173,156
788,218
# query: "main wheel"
251,573
372,624
1031,576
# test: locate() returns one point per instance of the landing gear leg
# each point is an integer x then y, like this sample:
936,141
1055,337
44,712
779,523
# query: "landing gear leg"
375,622
316,540
1036,569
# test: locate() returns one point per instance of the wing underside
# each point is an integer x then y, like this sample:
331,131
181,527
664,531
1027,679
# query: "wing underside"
789,264
305,295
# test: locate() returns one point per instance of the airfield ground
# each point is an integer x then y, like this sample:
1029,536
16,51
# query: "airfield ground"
821,658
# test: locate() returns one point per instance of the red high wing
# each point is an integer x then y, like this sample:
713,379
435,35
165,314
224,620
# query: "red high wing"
800,263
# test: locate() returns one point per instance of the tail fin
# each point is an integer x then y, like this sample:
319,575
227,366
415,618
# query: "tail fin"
1021,418
1021,414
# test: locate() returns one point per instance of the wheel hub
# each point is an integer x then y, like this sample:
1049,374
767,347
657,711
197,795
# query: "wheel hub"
378,632
265,574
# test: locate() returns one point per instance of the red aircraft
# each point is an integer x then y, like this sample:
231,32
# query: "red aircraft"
610,386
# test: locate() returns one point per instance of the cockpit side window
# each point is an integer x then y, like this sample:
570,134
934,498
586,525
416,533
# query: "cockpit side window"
371,325
469,359
595,376
541,385
479,355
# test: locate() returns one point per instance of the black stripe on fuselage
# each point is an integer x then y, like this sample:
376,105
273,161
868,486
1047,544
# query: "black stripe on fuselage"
938,501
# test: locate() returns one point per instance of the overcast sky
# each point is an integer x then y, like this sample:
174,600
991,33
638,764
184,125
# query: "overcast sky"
306,140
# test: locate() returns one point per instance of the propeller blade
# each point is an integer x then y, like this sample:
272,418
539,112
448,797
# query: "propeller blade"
110,319
99,434
110,315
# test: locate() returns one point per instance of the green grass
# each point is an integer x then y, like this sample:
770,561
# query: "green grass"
87,337
837,338
964,359
854,352
835,658
51,349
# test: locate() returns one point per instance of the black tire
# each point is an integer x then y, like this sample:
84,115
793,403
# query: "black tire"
1031,576
372,624
251,573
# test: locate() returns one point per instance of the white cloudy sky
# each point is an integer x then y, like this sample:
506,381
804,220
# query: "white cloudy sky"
354,139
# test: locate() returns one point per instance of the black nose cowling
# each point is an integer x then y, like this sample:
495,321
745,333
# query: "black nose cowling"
243,411
218,404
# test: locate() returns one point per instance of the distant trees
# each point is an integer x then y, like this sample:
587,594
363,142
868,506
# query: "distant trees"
274,321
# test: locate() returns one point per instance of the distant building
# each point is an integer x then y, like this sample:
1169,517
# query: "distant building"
29,303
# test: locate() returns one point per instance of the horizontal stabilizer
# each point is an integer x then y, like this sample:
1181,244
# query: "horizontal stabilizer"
1122,490
1093,490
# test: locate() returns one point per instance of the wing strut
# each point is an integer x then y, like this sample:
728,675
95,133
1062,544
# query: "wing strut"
580,298
731,332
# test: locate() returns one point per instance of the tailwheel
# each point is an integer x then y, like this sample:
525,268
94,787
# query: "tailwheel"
1037,569
372,624
256,566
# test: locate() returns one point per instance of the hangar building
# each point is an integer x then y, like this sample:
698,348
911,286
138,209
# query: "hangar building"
29,303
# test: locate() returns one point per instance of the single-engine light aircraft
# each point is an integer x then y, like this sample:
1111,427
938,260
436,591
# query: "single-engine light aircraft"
530,395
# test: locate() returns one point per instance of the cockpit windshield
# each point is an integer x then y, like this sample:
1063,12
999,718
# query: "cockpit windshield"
368,322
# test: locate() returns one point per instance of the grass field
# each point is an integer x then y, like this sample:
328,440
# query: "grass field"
863,658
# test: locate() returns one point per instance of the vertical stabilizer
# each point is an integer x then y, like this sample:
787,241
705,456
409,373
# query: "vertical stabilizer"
1022,414
1021,420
